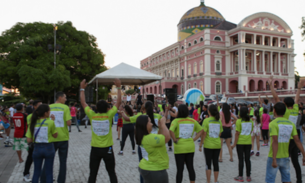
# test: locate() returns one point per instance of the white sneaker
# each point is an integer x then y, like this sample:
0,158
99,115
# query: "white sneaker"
26,178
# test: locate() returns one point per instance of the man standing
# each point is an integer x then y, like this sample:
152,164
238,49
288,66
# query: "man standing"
61,143
20,123
11,111
29,159
30,108
281,131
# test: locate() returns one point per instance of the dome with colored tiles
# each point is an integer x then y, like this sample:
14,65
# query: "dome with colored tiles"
197,19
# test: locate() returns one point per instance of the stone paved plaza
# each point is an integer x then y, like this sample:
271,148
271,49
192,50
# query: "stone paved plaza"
127,165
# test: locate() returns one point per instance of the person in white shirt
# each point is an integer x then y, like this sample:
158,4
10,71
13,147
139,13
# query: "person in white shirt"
12,112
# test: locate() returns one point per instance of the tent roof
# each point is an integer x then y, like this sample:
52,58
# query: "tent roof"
128,75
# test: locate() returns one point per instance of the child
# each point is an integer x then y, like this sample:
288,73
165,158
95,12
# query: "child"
195,113
265,118
256,133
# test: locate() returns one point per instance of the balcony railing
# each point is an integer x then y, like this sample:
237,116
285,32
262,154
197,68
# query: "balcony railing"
194,75
200,74
218,73
170,78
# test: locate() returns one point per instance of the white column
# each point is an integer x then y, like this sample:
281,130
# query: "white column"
254,39
239,61
207,62
263,39
263,62
254,61
279,64
244,59
185,67
227,84
271,40
271,62
288,63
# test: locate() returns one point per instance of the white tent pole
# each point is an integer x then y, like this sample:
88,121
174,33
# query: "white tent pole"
96,90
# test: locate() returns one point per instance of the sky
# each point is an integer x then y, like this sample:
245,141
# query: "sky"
129,31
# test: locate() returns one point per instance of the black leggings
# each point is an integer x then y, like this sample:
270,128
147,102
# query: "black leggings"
170,141
188,159
128,129
265,134
243,153
211,155
96,156
293,152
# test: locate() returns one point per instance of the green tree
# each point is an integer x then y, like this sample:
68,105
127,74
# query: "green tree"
11,98
27,64
296,77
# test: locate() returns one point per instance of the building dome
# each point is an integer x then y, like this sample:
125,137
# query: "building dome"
197,19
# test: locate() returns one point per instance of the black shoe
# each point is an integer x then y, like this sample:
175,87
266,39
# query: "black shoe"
79,131
69,130
170,149
85,126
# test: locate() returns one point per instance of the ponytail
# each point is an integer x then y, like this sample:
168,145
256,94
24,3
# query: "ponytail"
244,113
214,112
150,112
38,113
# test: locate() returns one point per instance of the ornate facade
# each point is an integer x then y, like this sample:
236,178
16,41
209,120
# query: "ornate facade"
218,56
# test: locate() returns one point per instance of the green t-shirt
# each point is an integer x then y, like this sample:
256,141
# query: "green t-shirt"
245,128
285,130
184,129
157,117
127,122
160,106
62,115
45,133
271,115
28,119
154,153
199,110
261,111
101,127
251,111
292,114
213,128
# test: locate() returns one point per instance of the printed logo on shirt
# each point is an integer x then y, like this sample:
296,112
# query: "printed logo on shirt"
95,117
157,140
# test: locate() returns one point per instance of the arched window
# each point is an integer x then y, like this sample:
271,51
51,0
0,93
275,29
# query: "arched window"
201,39
190,44
173,74
201,86
236,66
195,68
189,70
189,86
217,38
201,66
182,47
195,85
218,66
182,72
195,42
218,87
177,72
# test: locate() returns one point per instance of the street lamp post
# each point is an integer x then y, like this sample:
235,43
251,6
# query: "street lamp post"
55,29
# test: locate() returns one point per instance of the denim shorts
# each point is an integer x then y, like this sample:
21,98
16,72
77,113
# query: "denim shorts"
282,165
5,125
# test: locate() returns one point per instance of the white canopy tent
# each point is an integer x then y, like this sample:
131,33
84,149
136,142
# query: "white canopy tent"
128,75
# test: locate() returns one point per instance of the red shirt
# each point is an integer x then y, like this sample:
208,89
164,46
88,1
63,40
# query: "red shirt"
20,125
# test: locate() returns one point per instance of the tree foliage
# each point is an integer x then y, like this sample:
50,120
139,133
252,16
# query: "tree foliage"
296,77
11,98
27,64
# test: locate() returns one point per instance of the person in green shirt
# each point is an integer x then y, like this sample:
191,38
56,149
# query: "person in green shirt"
61,144
101,142
128,130
281,132
291,114
41,133
182,130
212,129
243,143
155,159
251,110
29,159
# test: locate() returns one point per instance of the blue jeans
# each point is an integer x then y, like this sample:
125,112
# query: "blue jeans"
76,123
62,148
46,152
282,165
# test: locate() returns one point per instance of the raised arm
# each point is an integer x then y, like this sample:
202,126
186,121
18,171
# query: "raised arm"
297,96
260,100
164,130
275,96
217,100
117,83
83,86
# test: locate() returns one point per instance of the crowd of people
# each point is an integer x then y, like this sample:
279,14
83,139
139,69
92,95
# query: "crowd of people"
44,130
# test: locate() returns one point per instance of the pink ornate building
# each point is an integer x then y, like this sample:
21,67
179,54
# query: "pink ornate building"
218,56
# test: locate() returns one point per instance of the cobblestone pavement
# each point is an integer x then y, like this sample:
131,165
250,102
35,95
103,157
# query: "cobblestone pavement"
127,165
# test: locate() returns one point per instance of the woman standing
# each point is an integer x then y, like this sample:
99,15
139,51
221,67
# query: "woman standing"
155,159
127,130
256,133
181,131
265,118
244,127
40,133
212,129
226,119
